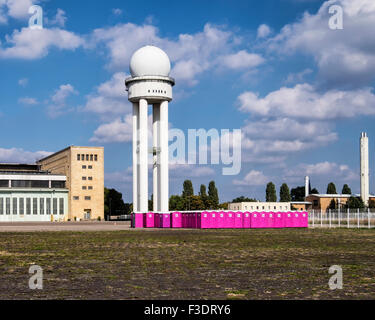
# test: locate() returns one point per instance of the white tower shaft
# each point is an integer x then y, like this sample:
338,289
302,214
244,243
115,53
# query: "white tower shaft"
365,189
164,174
307,186
143,156
135,156
156,157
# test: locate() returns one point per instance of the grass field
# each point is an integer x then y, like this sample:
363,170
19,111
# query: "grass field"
189,264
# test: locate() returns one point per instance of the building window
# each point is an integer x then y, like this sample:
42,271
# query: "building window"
41,206
78,157
90,187
75,198
58,184
84,167
87,198
90,167
82,157
90,178
4,183
84,187
96,157
1,206
35,206
7,206
15,202
48,206
54,206
91,157
28,205
84,178
61,206
87,157
22,206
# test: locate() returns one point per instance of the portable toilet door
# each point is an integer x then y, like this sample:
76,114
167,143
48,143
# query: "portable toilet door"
289,219
230,220
150,220
221,220
255,220
304,219
238,220
139,220
279,219
214,220
246,220
176,220
205,220
271,220
296,219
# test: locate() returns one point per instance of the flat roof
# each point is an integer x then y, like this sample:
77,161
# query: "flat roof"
18,167
67,148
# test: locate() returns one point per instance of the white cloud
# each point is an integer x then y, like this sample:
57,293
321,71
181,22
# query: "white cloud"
253,178
32,44
28,101
117,131
263,31
242,60
305,102
110,98
17,9
57,105
59,19
17,155
325,169
117,12
344,57
191,54
186,170
298,77
23,82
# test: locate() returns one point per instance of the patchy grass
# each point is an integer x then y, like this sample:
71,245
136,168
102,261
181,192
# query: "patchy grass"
189,264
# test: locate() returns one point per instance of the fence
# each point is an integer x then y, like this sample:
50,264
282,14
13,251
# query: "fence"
342,219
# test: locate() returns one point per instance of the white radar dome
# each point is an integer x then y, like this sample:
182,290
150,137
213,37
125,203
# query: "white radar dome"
150,61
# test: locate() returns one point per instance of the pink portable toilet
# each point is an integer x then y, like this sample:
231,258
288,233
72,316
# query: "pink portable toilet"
304,220
289,219
230,220
255,220
193,220
279,220
238,220
213,219
138,220
176,220
263,216
199,220
149,220
246,220
165,220
205,220
296,219
220,224
270,219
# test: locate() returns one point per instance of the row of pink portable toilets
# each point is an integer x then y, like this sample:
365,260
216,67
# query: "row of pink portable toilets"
220,220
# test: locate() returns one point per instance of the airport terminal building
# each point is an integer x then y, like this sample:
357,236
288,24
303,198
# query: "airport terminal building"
29,194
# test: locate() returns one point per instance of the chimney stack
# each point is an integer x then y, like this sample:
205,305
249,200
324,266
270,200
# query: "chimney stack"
307,186
365,189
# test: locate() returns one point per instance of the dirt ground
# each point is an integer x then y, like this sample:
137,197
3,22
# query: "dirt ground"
189,264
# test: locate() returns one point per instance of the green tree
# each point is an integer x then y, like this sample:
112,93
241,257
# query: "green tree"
355,203
176,203
203,196
187,189
213,195
332,204
195,203
243,199
271,192
113,203
285,193
298,194
314,191
331,188
346,189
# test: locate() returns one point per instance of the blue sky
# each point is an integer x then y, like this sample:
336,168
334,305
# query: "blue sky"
300,92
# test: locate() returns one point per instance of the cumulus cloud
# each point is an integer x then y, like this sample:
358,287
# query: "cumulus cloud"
344,57
109,98
117,131
305,102
253,178
58,20
18,155
17,9
242,60
178,171
33,44
23,82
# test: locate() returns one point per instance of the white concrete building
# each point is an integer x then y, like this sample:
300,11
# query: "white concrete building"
27,194
259,206
150,84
